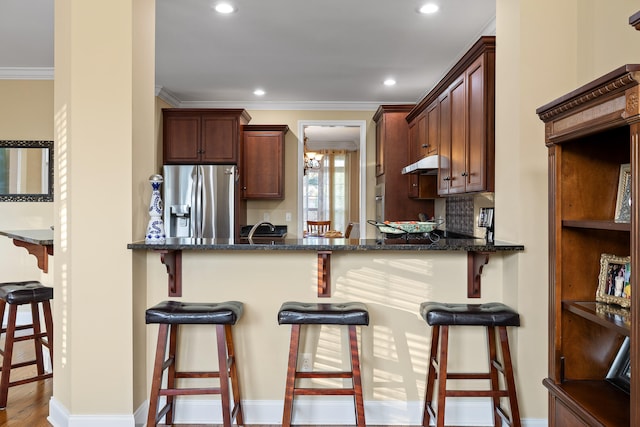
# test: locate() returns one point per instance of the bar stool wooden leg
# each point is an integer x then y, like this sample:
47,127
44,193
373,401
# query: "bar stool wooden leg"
37,341
493,374
171,370
233,372
156,382
291,375
7,355
509,378
431,377
223,372
442,374
48,323
357,381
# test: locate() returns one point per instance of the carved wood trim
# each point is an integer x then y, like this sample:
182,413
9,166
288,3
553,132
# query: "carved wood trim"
475,263
41,252
601,92
172,259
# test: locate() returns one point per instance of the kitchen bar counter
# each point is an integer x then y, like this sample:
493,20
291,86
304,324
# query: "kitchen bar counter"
478,251
328,244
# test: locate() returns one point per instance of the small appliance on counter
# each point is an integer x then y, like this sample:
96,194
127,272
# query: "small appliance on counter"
199,201
485,220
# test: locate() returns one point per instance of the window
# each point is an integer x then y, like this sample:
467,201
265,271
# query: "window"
326,190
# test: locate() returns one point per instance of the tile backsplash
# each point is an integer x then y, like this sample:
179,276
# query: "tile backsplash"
462,211
459,214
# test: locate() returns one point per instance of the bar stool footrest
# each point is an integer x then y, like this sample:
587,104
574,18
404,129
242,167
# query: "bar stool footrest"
324,391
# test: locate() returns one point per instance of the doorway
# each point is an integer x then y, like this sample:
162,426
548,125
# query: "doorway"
334,184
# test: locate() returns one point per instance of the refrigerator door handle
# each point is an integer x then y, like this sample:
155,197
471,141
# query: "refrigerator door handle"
197,223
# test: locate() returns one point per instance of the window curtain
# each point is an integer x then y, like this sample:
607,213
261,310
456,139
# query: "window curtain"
327,190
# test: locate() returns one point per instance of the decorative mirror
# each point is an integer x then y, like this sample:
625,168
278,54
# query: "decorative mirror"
26,171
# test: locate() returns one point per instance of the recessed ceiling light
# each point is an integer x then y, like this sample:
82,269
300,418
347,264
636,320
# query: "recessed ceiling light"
259,92
428,8
389,82
224,8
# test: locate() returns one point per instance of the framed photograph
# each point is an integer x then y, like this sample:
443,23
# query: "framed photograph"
623,201
614,282
620,372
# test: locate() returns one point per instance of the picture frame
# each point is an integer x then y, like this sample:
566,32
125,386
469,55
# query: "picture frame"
623,200
620,371
614,281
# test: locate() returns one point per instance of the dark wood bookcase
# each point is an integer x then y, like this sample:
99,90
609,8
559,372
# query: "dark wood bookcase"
590,132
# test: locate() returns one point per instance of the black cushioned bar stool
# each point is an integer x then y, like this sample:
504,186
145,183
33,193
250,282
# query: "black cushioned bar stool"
16,294
493,316
296,314
170,315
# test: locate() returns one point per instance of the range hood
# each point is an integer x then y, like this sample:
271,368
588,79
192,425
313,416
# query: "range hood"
426,165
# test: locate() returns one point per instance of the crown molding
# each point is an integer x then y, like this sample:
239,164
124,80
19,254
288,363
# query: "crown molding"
26,73
175,102
167,96
293,105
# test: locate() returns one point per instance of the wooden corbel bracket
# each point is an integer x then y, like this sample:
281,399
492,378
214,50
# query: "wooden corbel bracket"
41,252
172,259
475,263
324,273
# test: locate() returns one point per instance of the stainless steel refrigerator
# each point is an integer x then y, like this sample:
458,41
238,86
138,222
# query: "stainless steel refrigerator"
199,200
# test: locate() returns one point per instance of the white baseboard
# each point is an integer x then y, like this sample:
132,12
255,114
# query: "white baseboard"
329,411
59,416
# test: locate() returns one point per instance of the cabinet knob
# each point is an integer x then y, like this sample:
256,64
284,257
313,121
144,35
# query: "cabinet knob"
425,145
447,178
414,185
464,174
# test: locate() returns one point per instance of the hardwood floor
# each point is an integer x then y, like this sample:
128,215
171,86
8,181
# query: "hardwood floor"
28,404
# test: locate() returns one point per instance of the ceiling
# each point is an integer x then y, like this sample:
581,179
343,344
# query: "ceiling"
305,54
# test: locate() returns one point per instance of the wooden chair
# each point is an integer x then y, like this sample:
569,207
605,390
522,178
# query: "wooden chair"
318,227
347,232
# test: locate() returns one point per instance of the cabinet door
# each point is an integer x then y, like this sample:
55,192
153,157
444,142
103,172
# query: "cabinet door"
432,128
444,148
380,146
414,152
422,145
263,166
219,139
181,139
414,186
458,136
476,154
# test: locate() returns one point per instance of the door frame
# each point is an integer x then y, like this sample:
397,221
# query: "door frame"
362,187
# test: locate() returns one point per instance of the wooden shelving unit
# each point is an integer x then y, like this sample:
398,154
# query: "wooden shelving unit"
590,133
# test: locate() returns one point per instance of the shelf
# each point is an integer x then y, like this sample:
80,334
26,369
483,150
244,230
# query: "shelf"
606,315
597,225
599,401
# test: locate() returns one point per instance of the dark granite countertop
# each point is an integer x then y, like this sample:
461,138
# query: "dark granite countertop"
37,237
329,244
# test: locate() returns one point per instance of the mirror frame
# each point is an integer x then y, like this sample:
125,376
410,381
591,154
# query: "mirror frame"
48,197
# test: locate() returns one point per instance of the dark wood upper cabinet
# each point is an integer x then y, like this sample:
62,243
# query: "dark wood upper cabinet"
262,169
401,192
456,121
590,133
202,136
